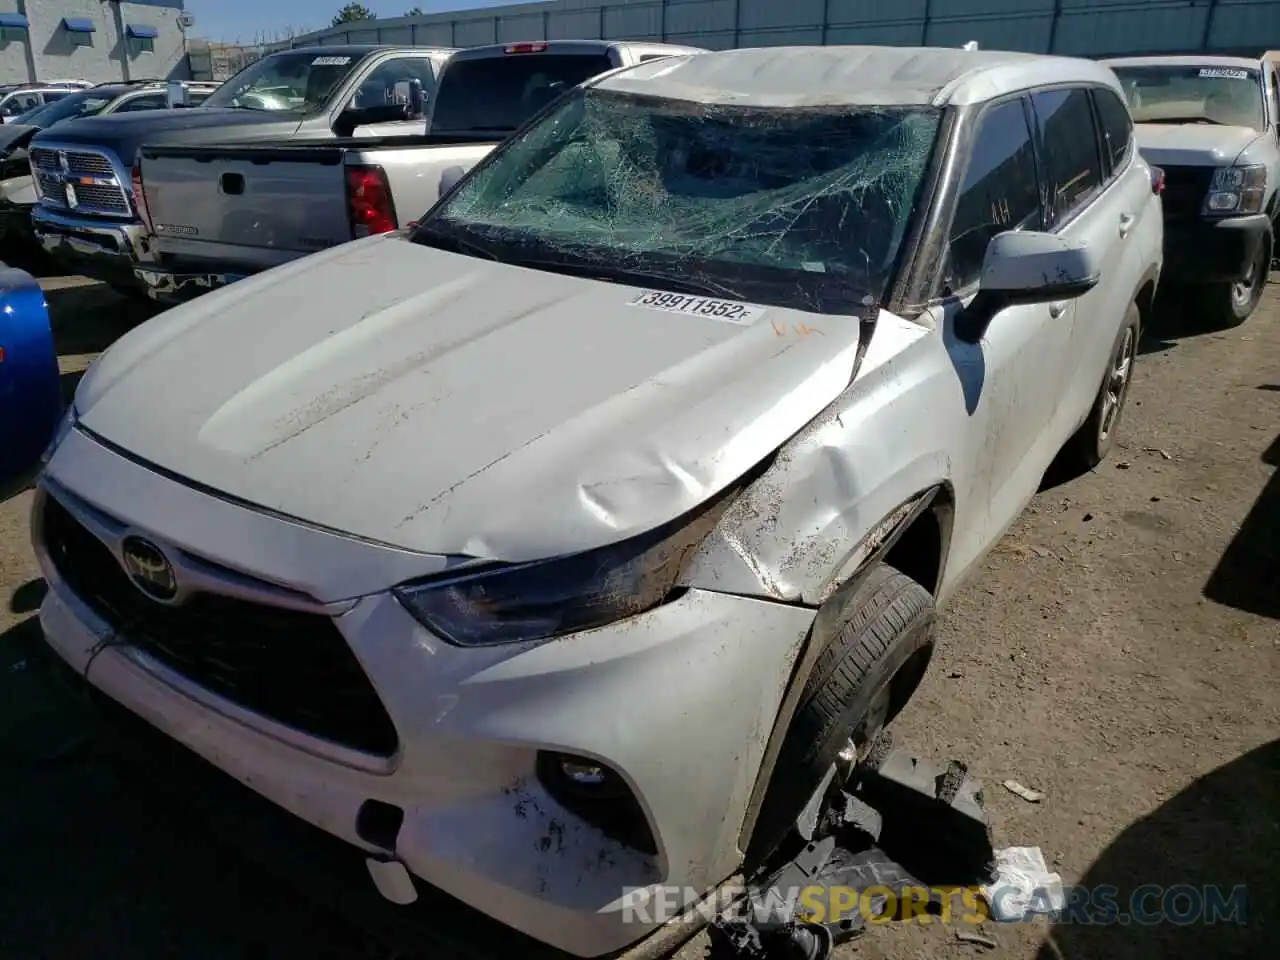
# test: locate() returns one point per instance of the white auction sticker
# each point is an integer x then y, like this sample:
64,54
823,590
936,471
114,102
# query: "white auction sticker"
1222,73
711,307
330,61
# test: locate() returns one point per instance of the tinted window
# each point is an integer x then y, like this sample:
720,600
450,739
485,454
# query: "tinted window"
1000,190
501,93
1070,149
1117,128
150,101
53,96
20,103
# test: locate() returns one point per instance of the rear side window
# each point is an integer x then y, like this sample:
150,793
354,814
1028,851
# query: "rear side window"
149,101
501,93
1069,143
1000,190
1117,127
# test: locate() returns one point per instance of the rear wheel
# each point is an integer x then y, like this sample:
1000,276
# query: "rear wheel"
861,681
1231,304
1093,441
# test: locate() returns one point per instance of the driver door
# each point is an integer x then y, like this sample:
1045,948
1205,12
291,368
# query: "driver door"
1011,380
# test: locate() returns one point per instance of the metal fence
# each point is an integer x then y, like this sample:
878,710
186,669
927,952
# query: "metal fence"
1075,27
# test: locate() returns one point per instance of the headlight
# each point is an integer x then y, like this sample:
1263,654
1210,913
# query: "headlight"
65,426
548,598
1237,189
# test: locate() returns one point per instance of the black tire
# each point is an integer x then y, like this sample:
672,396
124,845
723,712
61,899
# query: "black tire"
1226,305
1090,445
885,641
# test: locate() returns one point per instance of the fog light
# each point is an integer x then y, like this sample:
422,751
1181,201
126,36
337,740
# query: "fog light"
599,795
1224,200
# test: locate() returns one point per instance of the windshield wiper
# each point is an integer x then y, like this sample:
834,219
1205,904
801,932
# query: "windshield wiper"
452,242
622,274
1217,123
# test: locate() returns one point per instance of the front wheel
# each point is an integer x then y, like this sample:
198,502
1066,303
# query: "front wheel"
1231,304
862,679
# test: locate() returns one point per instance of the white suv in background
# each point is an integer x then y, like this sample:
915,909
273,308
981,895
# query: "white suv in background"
558,546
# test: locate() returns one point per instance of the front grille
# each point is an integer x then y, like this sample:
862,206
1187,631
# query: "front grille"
293,667
1184,191
110,198
78,162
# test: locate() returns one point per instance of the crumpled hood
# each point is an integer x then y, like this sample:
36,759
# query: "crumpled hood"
1192,144
453,405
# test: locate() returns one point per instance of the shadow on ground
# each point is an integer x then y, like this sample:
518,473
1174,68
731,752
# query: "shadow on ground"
1248,575
99,864
1222,831
1176,317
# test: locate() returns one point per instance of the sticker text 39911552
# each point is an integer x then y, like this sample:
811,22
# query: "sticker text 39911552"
710,307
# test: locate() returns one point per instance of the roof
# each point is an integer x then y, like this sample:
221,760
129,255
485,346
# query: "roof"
870,75
1188,60
361,49
588,45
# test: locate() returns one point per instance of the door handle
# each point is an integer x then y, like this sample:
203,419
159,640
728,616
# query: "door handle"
1057,309
1126,223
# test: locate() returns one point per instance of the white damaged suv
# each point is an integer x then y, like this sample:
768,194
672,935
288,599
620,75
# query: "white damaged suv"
557,547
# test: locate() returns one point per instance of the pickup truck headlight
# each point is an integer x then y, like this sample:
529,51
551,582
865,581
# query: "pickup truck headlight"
1237,189
513,603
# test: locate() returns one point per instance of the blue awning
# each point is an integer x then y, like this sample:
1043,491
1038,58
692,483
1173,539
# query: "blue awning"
14,21
78,25
141,31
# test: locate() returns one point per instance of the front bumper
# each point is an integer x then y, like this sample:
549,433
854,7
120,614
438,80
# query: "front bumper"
1213,251
680,701
169,286
102,249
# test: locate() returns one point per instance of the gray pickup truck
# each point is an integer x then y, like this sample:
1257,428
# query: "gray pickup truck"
222,212
88,218
1212,124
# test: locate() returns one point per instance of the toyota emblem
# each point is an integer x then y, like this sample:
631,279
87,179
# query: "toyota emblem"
149,569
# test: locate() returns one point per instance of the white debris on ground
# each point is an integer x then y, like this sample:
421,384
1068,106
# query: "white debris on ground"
1024,886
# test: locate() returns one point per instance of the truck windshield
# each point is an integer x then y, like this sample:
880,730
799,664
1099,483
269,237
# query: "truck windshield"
1181,93
804,208
501,93
294,82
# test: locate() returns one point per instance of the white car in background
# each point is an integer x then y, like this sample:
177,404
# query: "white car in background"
558,546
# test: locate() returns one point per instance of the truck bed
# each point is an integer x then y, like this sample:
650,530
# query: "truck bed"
251,206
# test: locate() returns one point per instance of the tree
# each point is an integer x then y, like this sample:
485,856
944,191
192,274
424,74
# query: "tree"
353,12
415,12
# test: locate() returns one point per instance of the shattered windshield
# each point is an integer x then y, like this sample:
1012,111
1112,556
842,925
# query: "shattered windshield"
1231,96
294,82
802,208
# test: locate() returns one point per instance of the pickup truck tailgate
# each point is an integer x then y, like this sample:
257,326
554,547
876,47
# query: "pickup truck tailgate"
269,203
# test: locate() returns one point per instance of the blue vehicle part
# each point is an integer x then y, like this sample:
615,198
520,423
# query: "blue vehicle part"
30,393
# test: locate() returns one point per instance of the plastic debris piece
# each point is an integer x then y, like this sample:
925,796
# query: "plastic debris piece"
1024,886
1026,793
977,939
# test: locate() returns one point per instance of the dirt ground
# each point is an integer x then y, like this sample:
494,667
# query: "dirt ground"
1119,652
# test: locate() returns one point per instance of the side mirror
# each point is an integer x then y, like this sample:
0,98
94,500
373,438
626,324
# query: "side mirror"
354,117
417,100
449,179
1024,267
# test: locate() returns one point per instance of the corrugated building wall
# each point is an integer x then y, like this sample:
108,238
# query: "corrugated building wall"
1074,27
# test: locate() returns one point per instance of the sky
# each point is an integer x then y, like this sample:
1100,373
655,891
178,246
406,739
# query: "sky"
247,20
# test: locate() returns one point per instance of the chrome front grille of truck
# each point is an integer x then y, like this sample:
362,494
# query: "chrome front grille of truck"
80,180
293,667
